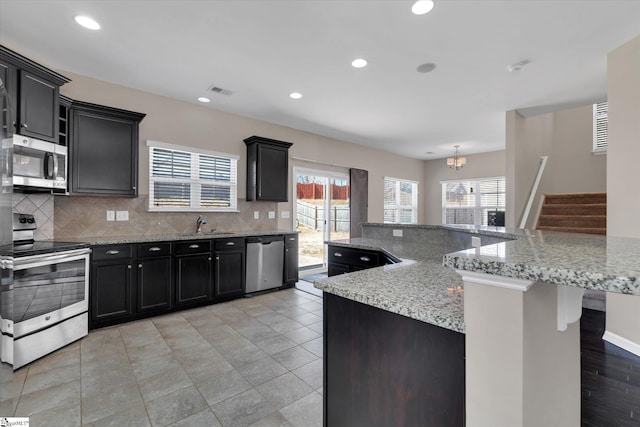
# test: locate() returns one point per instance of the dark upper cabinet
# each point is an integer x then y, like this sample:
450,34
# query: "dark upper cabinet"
104,150
267,169
33,96
290,259
194,275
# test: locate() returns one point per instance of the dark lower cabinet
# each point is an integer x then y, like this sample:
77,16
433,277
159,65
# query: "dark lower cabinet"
193,279
194,273
111,292
333,269
229,267
345,260
383,369
154,284
290,259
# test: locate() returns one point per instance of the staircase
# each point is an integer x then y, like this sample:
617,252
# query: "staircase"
574,213
577,213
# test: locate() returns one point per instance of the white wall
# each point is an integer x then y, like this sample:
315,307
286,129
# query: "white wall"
623,174
566,137
182,123
478,166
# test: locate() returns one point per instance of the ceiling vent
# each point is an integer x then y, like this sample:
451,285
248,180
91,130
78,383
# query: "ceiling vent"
219,90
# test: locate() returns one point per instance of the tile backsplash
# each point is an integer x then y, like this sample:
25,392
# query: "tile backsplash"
78,217
41,206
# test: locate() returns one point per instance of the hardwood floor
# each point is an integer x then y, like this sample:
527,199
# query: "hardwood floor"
610,377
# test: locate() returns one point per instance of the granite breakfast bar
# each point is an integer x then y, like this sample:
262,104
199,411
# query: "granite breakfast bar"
521,336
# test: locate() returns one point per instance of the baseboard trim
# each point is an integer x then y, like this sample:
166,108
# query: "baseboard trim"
622,342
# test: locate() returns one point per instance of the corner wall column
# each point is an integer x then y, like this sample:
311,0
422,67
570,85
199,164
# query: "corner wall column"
520,370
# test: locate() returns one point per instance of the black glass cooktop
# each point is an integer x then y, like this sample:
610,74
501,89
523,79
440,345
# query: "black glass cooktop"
44,247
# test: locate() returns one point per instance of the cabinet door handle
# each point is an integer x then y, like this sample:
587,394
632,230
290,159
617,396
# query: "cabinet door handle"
365,259
129,266
24,125
139,265
194,246
154,249
209,259
230,244
113,252
337,254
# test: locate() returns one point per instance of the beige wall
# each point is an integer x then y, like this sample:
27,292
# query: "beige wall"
478,166
182,123
623,69
566,137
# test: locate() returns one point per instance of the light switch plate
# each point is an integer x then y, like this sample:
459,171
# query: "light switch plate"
256,214
111,215
272,214
284,214
122,215
397,233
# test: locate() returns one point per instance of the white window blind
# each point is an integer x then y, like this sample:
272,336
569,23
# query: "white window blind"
600,126
469,201
189,179
400,201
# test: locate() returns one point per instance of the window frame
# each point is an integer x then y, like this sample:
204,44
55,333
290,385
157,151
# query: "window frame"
399,207
194,180
477,208
600,120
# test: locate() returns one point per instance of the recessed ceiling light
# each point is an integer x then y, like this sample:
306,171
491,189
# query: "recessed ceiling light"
203,99
514,68
359,63
295,95
87,22
426,68
422,7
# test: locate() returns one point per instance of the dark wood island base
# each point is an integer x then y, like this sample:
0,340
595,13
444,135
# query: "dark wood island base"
384,369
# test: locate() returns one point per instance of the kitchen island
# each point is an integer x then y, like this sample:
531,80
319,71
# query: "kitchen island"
521,342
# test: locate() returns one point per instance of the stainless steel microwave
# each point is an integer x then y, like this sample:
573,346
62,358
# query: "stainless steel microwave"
39,164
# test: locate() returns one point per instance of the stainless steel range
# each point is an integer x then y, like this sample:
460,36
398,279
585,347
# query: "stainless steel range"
50,293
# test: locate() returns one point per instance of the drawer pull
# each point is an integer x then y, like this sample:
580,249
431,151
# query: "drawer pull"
194,246
154,249
113,252
337,254
292,238
365,259
139,265
231,244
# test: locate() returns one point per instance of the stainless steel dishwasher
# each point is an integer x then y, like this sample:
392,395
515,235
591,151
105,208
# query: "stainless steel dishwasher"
265,263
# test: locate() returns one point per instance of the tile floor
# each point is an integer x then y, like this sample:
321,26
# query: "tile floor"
249,362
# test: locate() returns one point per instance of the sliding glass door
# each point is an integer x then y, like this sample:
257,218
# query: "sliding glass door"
321,213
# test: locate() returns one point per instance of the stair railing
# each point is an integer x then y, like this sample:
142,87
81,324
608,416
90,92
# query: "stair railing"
534,190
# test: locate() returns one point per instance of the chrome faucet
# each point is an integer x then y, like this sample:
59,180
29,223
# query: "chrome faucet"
199,222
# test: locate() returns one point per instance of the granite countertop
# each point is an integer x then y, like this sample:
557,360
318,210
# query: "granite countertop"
588,261
114,240
427,288
419,287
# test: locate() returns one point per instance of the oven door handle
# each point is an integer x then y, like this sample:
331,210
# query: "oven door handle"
49,258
